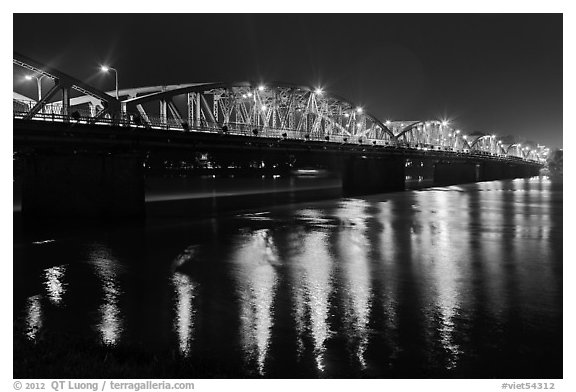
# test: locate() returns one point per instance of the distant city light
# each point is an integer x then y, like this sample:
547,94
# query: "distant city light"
319,91
493,136
388,122
457,131
249,94
445,123
263,107
261,88
359,124
346,115
244,95
359,109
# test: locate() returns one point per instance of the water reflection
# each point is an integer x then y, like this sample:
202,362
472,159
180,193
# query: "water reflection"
531,274
353,250
312,281
441,244
33,316
107,268
54,283
254,261
389,265
451,282
184,319
490,200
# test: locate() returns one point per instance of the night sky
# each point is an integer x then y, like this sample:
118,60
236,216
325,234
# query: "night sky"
497,73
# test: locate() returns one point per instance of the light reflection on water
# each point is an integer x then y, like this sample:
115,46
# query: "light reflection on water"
439,274
107,267
388,275
493,210
33,316
353,249
55,284
443,260
184,319
255,260
311,271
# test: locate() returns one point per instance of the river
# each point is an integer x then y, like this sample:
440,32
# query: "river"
458,281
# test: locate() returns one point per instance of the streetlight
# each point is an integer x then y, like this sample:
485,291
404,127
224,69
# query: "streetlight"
105,68
38,82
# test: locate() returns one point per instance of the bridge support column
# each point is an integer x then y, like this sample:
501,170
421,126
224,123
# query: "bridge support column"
527,171
490,171
452,173
66,102
518,171
419,169
371,175
83,185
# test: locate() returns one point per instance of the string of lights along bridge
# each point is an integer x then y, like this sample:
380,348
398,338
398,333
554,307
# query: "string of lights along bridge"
272,110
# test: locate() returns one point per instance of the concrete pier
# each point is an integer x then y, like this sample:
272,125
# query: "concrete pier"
372,175
454,172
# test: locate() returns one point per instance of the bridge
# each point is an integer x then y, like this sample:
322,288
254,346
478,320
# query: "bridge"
85,151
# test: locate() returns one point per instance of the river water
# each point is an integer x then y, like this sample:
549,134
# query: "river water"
459,281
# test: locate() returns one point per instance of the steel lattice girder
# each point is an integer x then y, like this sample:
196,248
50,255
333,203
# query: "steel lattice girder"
63,82
277,106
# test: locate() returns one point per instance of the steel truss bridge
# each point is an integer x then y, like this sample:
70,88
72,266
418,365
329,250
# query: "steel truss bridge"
85,152
274,110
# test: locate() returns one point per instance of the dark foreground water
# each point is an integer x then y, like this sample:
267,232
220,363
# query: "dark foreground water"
461,281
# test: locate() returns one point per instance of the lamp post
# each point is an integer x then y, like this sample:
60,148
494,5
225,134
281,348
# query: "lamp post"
38,82
105,68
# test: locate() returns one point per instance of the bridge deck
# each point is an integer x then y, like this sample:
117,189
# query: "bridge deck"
38,134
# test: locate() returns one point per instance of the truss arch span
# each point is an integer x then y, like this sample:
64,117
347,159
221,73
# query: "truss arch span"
431,133
290,109
64,83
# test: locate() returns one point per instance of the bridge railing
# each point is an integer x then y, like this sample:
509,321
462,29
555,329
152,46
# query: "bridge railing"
54,112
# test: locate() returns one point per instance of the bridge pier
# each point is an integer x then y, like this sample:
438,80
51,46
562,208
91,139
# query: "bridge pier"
373,175
519,171
420,168
452,173
490,171
94,185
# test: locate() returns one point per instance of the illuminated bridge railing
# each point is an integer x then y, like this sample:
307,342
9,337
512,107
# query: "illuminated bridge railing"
54,113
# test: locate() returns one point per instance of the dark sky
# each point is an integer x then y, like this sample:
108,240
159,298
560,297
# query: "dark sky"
497,73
